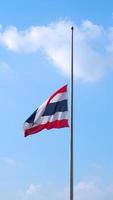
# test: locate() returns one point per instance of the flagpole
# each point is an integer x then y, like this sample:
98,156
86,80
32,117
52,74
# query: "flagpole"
71,127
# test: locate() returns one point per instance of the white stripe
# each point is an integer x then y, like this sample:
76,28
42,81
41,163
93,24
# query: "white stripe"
40,111
39,119
51,118
38,115
27,126
59,97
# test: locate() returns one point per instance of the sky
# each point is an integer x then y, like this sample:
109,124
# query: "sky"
35,46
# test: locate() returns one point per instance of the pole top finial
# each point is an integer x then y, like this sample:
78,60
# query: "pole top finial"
72,28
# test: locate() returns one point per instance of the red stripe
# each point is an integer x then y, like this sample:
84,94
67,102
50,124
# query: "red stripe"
61,90
49,125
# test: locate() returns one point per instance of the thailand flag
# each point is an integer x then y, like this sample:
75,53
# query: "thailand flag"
53,113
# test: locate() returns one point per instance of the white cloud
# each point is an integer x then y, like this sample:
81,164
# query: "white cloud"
91,30
0,27
4,66
6,71
89,190
84,190
43,192
110,38
92,46
12,162
32,189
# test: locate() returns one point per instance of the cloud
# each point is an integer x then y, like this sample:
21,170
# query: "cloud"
84,190
12,162
0,27
87,190
43,192
6,71
32,189
93,46
4,66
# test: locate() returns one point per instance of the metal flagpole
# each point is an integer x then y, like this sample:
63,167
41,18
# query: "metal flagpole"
71,127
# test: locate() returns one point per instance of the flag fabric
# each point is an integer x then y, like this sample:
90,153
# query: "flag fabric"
53,113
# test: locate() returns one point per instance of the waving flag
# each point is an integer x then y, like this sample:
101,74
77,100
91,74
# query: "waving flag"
53,113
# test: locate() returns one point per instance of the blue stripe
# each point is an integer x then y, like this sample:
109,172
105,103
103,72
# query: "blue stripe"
52,108
32,117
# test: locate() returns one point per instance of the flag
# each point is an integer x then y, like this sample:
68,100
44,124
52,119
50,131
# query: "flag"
53,113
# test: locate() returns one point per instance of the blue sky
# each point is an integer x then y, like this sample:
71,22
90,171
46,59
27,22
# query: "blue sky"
34,62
